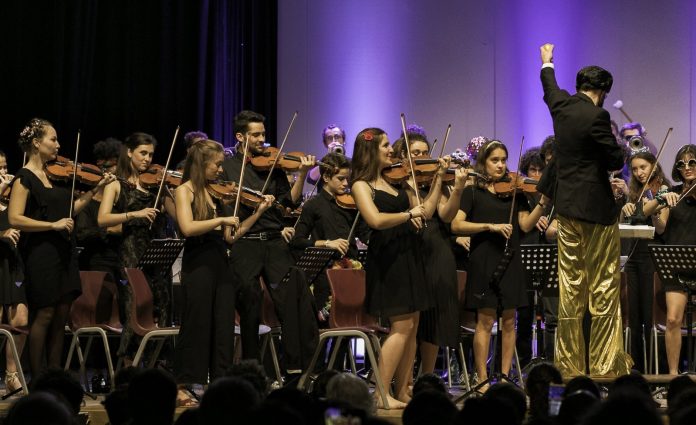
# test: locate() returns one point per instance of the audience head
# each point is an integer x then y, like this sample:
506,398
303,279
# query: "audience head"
488,411
40,408
62,384
575,406
322,381
677,387
351,390
581,382
537,387
228,400
429,382
429,407
152,397
251,371
511,395
629,406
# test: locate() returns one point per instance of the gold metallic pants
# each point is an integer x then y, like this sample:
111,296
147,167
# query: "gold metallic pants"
589,275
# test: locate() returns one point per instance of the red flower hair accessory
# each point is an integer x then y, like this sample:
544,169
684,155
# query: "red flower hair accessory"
368,136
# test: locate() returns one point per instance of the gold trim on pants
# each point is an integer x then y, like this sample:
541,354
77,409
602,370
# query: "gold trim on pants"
589,275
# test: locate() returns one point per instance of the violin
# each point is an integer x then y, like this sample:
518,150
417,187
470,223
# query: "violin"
449,178
62,169
346,200
227,190
290,161
400,171
152,177
514,182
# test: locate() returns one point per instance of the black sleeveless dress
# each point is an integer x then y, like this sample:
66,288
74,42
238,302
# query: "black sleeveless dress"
395,270
11,269
51,272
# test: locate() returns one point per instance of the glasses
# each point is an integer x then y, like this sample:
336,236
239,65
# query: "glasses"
681,164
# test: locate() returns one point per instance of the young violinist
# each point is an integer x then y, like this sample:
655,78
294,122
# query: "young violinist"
396,286
13,299
325,223
639,268
439,325
485,215
39,208
205,345
262,249
675,224
126,202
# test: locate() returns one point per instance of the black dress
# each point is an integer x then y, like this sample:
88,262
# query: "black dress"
51,274
680,229
136,235
440,324
11,269
482,206
395,271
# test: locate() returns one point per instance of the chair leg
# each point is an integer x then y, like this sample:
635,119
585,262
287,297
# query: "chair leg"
156,354
141,349
351,357
107,353
465,368
375,369
71,350
276,364
312,364
334,352
519,369
449,367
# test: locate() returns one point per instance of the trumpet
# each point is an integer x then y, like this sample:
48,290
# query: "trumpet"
636,143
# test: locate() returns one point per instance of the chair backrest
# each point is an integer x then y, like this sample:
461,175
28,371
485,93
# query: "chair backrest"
268,313
467,318
97,305
348,298
142,310
659,302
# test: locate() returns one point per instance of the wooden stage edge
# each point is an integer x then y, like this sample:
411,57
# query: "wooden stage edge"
98,416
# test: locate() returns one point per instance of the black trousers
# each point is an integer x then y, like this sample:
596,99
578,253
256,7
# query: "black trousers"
205,346
639,271
271,259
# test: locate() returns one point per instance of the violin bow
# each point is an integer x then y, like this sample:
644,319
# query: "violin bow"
166,167
442,149
280,152
514,189
432,148
241,174
314,189
657,160
352,228
410,160
74,178
685,194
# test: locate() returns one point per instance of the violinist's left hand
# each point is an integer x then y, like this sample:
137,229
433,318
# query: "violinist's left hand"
443,163
108,178
287,233
307,163
461,175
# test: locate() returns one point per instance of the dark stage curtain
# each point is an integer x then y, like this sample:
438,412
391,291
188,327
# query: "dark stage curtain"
112,67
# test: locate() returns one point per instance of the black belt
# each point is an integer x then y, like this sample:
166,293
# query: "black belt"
263,236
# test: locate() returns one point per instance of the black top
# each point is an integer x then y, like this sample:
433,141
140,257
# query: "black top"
278,186
586,151
681,222
323,219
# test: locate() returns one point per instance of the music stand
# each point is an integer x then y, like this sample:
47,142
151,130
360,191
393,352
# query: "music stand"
541,260
159,257
313,261
678,263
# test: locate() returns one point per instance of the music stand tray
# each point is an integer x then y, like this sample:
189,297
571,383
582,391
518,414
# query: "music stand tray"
161,253
678,263
313,261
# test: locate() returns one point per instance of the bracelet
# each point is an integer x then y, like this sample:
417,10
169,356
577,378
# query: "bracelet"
541,205
127,217
410,215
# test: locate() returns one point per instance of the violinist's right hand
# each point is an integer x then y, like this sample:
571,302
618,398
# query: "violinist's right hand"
340,245
503,229
547,53
5,180
147,213
63,224
629,209
233,222
461,175
417,211
464,241
12,235
542,224
671,198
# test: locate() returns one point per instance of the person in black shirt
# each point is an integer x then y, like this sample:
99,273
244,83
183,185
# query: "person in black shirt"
262,250
324,223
